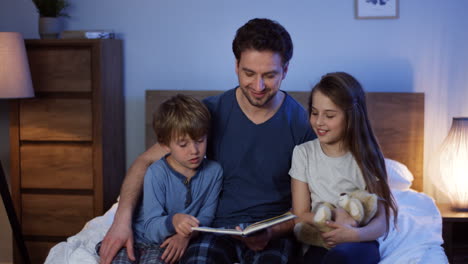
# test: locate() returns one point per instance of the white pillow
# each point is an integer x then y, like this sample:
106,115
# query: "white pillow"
399,176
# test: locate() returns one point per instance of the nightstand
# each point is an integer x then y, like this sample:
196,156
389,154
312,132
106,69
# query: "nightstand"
455,234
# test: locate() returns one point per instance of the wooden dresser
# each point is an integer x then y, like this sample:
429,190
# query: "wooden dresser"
454,233
67,143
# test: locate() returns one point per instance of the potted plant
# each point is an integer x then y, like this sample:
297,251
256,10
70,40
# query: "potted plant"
49,13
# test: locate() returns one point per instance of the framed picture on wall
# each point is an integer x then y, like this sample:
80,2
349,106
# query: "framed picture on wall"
376,9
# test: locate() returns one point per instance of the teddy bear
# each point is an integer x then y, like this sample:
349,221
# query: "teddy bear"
360,205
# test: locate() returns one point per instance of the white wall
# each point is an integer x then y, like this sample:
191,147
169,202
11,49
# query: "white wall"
187,45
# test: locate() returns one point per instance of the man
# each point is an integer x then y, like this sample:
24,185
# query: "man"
254,130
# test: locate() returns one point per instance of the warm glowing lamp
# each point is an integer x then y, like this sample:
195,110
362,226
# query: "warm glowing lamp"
451,165
15,82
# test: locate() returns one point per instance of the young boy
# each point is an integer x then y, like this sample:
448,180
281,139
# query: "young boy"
180,190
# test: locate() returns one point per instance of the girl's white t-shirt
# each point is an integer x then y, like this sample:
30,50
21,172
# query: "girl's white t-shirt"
326,176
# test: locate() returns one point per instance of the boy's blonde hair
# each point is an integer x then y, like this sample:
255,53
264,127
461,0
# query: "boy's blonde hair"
179,116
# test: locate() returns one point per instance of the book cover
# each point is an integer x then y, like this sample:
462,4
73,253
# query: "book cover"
255,227
87,34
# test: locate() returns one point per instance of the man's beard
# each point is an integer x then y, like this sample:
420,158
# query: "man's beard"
258,103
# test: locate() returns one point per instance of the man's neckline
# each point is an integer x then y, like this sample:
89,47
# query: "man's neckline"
260,116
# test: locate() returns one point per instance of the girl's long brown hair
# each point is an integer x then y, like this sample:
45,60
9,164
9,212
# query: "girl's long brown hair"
347,93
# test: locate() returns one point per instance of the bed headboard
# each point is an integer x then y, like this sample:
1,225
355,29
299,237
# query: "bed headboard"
397,120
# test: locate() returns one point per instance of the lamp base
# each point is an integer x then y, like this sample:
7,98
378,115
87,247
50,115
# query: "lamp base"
10,209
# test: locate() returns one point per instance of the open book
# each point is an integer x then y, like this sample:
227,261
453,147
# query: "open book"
251,228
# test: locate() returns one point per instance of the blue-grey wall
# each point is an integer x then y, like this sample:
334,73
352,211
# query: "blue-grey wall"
186,44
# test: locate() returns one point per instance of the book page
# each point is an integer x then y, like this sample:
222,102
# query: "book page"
269,222
251,228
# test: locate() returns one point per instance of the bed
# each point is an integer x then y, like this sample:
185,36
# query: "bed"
397,120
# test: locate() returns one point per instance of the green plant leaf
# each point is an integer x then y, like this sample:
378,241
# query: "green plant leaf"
51,8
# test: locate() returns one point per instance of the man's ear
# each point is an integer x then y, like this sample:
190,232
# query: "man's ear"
236,66
285,69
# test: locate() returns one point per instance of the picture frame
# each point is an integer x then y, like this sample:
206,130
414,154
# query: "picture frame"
376,9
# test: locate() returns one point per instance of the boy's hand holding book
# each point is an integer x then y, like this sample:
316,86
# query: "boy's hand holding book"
183,224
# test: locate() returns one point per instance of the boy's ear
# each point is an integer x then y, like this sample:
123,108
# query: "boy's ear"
165,147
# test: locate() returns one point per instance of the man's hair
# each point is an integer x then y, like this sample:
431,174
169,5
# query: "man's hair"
179,116
263,34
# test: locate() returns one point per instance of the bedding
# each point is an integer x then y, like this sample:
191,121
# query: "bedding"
399,176
416,238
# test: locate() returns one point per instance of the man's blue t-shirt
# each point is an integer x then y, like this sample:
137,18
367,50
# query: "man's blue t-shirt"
255,158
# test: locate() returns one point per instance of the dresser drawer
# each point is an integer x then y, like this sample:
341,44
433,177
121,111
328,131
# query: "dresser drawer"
55,215
56,166
38,251
59,69
56,119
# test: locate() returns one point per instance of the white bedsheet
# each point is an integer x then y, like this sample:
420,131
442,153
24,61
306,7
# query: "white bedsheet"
417,239
418,236
79,249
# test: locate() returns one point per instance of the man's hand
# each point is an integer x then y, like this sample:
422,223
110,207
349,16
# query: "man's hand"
118,236
256,242
183,224
175,247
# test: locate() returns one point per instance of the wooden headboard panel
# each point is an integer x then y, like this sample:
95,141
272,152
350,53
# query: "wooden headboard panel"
397,120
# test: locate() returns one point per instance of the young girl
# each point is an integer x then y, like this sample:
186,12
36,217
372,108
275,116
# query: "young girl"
344,157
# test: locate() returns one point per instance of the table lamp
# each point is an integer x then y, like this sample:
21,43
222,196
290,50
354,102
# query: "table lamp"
15,82
451,165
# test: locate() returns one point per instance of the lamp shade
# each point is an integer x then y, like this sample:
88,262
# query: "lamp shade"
451,174
15,78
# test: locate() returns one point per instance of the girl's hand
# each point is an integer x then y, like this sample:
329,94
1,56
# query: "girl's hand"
175,247
342,217
183,224
340,234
